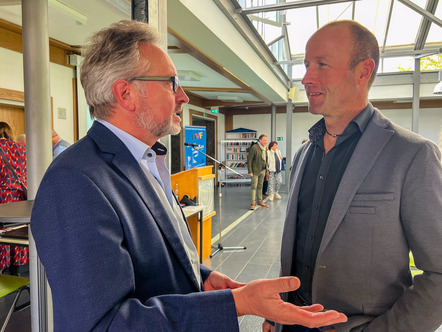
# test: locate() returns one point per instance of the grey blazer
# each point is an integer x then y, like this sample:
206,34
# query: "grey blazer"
389,202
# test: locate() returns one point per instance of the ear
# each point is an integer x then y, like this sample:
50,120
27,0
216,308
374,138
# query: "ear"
124,93
365,69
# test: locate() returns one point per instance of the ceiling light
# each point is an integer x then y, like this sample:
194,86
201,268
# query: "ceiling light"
188,75
230,98
438,87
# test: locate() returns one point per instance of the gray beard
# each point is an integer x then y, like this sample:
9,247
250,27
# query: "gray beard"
167,128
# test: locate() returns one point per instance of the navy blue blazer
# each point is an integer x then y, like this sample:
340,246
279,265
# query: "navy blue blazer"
112,256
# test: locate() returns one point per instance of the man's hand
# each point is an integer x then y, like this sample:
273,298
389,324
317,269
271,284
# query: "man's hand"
217,281
261,298
250,174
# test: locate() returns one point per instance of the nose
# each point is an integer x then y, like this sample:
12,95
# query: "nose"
181,96
309,76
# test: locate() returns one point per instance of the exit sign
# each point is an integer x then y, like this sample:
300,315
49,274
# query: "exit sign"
279,138
215,110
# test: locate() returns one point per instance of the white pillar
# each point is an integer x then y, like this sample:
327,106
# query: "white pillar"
416,96
38,133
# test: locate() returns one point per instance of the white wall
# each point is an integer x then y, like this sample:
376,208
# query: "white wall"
11,70
430,121
430,124
301,122
11,77
62,95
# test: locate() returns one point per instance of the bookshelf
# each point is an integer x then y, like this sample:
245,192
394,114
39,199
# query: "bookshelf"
235,150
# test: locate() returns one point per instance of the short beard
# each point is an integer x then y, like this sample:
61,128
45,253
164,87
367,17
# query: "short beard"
144,121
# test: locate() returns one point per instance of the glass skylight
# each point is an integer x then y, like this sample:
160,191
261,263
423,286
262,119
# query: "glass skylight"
398,34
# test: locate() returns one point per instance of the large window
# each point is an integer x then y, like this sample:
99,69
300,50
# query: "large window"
402,32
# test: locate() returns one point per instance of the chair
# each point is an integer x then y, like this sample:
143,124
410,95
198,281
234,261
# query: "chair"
8,285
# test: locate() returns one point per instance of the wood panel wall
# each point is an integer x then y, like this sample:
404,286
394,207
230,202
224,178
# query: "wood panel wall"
11,39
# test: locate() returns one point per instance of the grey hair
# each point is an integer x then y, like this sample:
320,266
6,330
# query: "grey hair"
110,55
365,45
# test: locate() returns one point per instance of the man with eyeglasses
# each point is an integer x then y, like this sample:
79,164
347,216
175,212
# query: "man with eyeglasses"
116,247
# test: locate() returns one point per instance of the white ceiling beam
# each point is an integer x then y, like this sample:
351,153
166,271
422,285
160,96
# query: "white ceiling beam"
265,20
387,26
424,27
388,53
422,11
288,5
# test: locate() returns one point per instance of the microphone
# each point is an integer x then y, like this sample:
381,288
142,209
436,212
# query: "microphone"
193,145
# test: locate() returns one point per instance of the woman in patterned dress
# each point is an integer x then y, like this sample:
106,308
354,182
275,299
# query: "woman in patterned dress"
11,190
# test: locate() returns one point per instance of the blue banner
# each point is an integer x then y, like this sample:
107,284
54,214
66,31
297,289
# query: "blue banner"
195,135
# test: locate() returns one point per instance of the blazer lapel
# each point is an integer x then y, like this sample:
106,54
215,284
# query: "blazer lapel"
124,161
370,146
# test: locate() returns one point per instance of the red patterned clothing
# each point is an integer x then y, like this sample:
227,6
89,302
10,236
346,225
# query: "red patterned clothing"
10,191
21,255
5,256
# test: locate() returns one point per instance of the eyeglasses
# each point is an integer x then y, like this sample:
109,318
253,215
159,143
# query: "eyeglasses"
173,79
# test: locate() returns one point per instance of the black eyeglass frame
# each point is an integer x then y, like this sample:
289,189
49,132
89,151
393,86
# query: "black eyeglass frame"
173,79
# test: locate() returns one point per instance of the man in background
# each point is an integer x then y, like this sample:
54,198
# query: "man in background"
58,144
364,192
257,166
21,139
110,232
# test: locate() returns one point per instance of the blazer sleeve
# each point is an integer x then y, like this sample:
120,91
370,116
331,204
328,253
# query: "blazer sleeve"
420,306
205,272
81,243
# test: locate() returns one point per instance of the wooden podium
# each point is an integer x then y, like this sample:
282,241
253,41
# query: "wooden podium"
198,182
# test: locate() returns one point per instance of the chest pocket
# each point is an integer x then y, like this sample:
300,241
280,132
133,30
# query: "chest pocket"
366,203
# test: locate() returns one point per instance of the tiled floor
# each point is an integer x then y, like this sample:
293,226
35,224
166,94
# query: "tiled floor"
260,231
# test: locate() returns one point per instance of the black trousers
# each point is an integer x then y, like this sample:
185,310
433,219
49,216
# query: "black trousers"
265,185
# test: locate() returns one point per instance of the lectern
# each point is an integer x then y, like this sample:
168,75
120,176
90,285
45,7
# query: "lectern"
198,182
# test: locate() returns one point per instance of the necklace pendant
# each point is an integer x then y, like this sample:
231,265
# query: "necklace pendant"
332,135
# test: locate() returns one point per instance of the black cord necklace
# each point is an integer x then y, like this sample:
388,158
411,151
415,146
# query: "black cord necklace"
332,135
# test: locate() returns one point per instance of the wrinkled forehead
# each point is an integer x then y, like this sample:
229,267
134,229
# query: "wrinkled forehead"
157,61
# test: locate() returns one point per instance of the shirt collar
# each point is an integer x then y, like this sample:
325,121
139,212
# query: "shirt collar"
360,121
137,148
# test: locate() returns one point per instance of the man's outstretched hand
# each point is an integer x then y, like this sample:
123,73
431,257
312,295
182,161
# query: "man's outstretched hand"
261,298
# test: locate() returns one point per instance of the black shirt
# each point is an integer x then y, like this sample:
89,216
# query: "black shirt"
319,184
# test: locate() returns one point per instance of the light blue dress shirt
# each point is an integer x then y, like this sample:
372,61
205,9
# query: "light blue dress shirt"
154,166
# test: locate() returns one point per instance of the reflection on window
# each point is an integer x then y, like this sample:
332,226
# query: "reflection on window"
429,63
389,65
